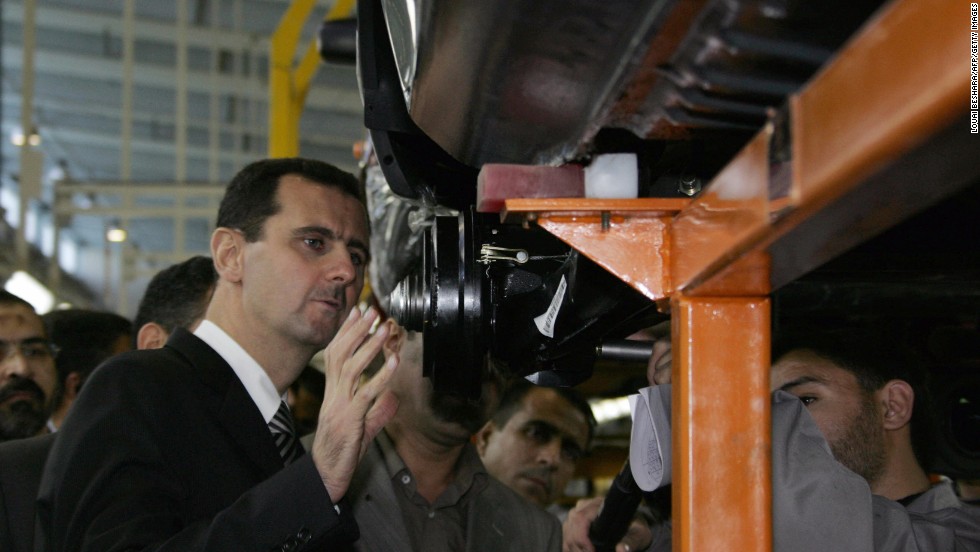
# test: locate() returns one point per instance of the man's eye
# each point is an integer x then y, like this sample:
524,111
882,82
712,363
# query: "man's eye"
35,351
538,434
313,243
807,399
357,259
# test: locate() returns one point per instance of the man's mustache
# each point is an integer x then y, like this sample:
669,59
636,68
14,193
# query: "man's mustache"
542,473
22,385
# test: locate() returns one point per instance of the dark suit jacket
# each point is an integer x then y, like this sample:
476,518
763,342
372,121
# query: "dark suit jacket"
165,450
21,464
498,520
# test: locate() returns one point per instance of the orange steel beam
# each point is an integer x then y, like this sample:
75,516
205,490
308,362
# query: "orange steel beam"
627,237
733,209
634,249
893,103
721,418
904,77
895,87
518,209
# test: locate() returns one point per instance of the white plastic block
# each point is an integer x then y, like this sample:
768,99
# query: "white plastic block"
612,176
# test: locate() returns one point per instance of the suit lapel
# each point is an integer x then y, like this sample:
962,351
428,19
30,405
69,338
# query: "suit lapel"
240,417
234,409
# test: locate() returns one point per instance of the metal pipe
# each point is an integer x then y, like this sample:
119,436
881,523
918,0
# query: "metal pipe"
627,350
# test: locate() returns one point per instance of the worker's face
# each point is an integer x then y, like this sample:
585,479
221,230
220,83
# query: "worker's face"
446,418
536,451
847,416
27,373
304,274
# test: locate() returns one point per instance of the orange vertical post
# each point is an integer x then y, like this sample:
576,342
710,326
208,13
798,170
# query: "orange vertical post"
722,492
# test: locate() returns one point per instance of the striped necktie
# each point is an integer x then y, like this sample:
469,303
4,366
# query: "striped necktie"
284,434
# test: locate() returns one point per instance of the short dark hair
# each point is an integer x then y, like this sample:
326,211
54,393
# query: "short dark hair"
85,337
7,298
250,198
875,358
177,295
512,400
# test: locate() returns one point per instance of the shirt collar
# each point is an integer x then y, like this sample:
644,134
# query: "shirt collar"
256,381
471,475
393,462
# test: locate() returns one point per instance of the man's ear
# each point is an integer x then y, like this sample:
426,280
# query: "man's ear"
396,336
151,336
899,400
228,250
73,382
482,437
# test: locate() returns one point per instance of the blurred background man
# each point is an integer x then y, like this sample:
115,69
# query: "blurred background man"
85,338
27,372
421,484
176,297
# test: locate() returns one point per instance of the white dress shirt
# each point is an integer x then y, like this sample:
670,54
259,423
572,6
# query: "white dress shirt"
253,377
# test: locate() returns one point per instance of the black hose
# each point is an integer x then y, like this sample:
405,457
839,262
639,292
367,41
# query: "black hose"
617,511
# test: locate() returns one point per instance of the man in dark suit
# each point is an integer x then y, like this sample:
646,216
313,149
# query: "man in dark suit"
85,339
176,297
422,486
188,447
27,381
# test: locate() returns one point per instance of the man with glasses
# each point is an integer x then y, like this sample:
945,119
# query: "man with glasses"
27,371
175,298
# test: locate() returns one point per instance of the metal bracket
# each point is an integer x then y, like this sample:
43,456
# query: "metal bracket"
489,253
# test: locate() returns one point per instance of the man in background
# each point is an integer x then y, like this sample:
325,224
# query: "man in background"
534,440
421,485
851,425
175,297
533,443
85,338
867,395
27,373
27,382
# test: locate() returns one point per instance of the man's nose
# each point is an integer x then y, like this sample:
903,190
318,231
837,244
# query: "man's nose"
549,454
340,267
15,364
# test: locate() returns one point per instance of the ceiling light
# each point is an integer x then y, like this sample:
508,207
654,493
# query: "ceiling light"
18,138
115,234
606,410
24,285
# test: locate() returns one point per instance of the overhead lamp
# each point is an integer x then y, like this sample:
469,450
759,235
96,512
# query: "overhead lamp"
26,287
115,234
18,138
607,410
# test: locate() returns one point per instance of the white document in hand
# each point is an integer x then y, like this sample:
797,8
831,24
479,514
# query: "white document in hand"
650,453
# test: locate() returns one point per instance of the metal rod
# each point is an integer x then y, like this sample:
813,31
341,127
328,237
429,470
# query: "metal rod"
628,350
